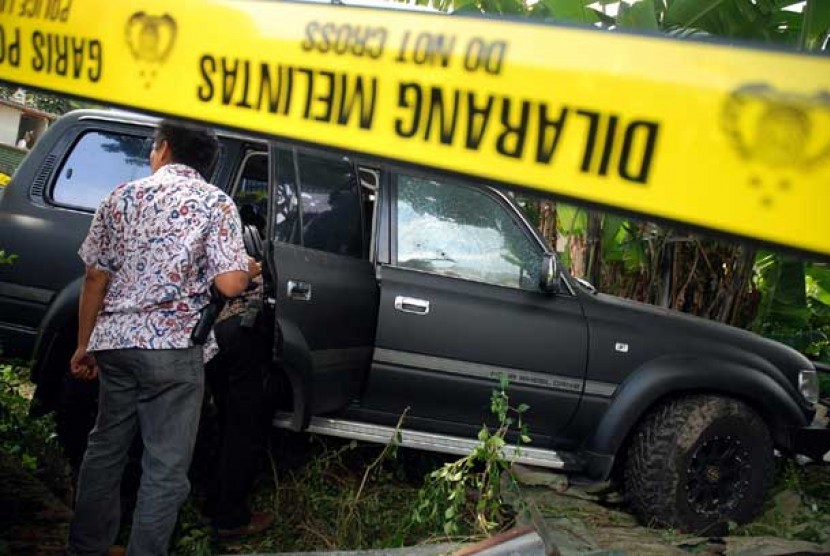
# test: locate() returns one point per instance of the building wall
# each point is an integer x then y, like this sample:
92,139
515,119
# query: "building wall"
9,124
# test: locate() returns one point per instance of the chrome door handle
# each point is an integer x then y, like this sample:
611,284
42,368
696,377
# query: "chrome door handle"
412,305
301,291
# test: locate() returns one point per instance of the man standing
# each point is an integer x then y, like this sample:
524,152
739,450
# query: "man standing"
153,250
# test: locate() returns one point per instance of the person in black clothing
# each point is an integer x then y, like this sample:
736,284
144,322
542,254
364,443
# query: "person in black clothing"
237,380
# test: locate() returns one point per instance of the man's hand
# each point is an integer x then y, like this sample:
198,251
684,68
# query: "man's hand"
83,365
254,268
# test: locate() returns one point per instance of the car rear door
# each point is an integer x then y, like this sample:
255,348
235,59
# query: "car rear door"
324,284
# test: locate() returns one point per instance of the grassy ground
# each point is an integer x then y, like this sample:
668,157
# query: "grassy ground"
332,494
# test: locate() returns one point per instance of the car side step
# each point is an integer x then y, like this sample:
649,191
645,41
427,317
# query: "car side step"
420,440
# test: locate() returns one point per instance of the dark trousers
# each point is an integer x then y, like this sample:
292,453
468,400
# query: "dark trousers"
237,380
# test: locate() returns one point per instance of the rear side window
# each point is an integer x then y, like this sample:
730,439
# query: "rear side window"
330,205
98,163
286,203
251,193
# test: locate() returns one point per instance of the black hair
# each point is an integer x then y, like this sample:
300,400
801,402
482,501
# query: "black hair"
189,144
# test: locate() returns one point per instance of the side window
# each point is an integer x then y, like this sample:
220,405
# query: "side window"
286,203
330,205
251,191
99,162
459,231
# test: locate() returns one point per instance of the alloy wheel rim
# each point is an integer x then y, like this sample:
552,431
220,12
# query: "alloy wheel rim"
718,476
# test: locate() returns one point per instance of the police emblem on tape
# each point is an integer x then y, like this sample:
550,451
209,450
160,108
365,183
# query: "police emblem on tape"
778,129
786,132
150,39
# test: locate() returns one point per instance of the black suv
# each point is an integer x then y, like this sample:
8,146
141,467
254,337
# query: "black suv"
394,289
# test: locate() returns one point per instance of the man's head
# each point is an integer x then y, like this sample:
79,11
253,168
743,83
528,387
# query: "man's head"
177,142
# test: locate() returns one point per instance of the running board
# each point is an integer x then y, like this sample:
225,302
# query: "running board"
420,440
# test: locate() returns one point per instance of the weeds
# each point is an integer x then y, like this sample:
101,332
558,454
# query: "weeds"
32,442
465,497
345,496
799,508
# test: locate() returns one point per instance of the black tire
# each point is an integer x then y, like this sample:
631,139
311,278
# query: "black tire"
699,462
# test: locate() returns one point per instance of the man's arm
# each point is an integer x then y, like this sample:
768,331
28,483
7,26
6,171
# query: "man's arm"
231,284
94,289
234,283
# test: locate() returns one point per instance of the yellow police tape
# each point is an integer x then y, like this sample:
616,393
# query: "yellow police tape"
731,139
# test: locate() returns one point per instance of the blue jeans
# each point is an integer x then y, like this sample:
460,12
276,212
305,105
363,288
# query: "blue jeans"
156,392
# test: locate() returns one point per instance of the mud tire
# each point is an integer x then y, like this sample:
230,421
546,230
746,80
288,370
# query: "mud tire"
697,463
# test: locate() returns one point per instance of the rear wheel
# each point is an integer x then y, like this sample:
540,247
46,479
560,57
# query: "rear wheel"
698,462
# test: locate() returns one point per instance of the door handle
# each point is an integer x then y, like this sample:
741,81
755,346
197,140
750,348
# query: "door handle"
301,291
412,305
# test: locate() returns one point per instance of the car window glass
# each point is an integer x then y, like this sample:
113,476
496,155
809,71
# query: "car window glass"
330,205
98,163
458,231
251,191
286,203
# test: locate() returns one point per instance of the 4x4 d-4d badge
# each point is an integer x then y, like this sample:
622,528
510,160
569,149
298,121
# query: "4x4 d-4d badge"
786,132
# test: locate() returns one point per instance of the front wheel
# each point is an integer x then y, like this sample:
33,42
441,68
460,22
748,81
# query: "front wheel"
698,462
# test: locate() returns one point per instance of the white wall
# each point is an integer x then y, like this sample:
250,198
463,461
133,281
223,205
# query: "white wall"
9,124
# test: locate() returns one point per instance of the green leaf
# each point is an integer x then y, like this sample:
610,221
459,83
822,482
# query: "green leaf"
818,283
571,220
816,24
525,438
576,11
638,16
688,13
522,407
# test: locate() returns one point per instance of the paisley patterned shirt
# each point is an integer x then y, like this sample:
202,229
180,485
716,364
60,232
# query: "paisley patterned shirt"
162,240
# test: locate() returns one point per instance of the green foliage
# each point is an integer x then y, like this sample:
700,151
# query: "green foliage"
816,24
641,15
31,441
193,533
576,11
465,497
336,502
7,258
795,303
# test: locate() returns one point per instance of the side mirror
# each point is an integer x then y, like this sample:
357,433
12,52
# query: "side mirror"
549,278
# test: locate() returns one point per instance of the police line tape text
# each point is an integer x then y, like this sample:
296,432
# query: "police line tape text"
53,53
48,10
421,48
513,127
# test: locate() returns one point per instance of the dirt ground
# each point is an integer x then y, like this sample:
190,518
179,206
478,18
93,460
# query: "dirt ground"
578,522
33,521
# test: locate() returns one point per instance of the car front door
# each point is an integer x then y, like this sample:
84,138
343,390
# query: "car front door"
460,305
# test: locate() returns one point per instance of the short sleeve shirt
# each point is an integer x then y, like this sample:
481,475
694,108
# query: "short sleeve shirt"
162,240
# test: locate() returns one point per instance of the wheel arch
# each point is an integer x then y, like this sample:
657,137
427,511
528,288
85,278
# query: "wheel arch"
55,342
666,379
